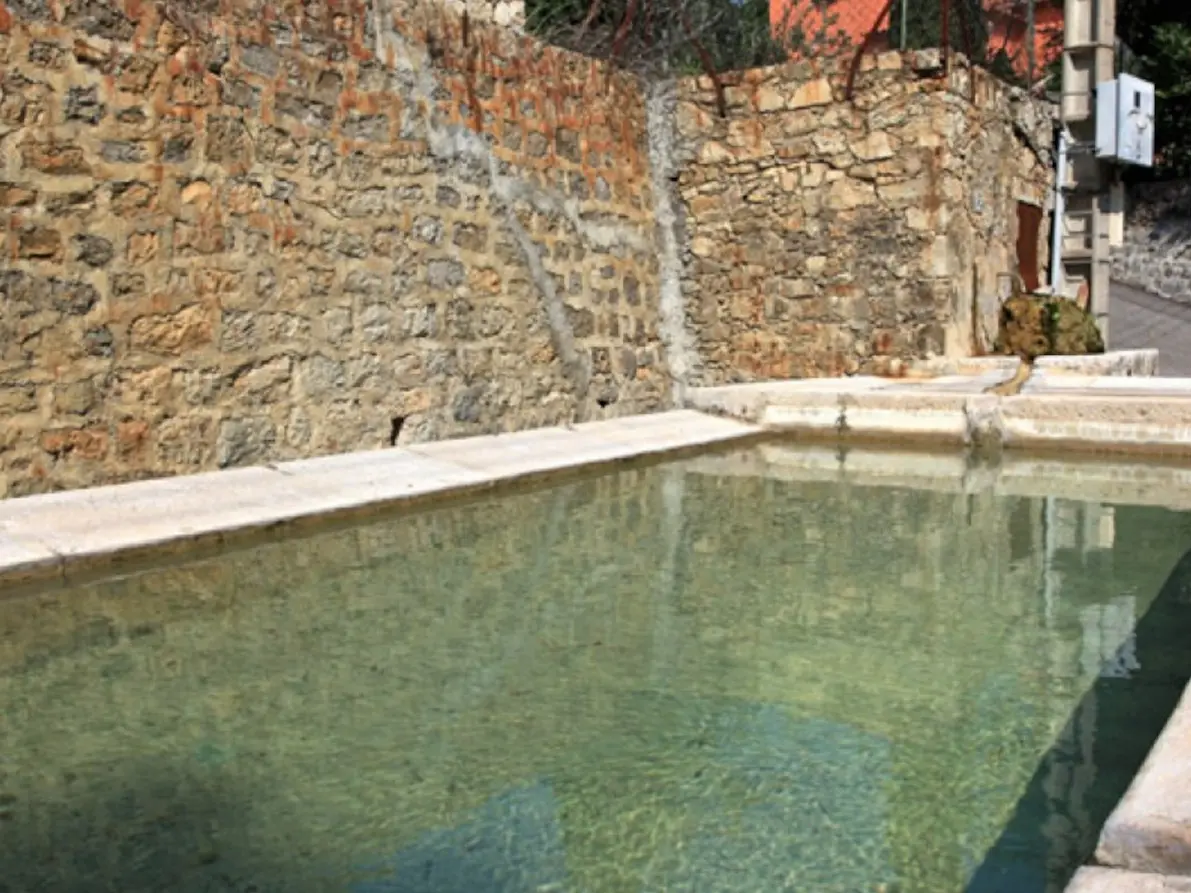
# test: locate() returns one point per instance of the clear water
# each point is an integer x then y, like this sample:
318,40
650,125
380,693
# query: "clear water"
657,680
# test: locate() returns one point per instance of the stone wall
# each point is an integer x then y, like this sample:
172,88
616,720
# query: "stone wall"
508,13
256,235
1156,254
237,233
828,237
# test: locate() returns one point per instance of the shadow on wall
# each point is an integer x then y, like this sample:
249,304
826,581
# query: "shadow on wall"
1083,776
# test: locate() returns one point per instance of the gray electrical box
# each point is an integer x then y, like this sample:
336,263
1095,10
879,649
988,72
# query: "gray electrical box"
1125,121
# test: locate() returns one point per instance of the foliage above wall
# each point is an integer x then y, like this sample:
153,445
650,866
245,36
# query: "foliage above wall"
662,38
1159,33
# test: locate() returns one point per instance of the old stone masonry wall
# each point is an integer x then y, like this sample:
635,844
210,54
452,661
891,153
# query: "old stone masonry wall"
828,236
1156,254
243,231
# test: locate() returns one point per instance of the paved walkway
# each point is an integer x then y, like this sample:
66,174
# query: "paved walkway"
1138,319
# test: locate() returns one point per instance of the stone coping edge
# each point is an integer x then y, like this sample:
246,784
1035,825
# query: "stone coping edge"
65,537
1150,829
1095,879
1128,421
1143,362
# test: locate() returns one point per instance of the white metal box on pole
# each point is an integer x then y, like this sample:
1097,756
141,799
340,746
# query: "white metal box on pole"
1125,121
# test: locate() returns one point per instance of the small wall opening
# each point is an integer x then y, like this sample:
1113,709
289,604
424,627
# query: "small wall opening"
1029,228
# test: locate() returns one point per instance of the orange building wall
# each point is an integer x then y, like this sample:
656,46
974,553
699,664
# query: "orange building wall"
851,20
1010,32
848,19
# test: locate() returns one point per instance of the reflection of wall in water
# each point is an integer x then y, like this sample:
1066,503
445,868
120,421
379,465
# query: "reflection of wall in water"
847,592
1080,547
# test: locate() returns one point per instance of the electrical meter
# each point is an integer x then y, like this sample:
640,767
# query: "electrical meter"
1125,121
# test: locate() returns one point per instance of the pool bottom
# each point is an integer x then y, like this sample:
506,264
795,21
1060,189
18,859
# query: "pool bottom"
654,680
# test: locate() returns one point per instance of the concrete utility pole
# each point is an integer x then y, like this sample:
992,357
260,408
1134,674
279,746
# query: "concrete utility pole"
1093,192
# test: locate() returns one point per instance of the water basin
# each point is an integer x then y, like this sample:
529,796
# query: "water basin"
686,677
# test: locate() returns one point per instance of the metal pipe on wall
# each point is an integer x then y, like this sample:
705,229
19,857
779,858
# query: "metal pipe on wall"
1057,279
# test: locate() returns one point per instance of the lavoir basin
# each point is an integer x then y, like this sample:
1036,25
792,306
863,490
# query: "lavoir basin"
706,674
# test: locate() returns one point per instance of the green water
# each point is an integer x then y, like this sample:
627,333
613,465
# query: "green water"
671,679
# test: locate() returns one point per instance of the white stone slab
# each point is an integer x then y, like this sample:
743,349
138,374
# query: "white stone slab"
505,456
105,520
1150,830
953,384
1121,384
376,477
748,401
1094,879
872,422
1155,421
817,418
1117,362
663,431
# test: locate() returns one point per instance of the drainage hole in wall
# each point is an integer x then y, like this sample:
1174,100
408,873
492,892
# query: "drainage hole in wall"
395,425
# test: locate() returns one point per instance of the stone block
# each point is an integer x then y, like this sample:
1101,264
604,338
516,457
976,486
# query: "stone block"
76,443
175,333
39,243
54,158
244,441
94,251
812,93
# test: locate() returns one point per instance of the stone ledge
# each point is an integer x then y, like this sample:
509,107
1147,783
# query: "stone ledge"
1118,369
1068,411
1107,880
1116,362
59,535
1150,830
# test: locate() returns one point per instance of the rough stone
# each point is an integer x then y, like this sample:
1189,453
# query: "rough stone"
94,251
814,228
262,246
82,104
244,442
1156,252
174,333
811,93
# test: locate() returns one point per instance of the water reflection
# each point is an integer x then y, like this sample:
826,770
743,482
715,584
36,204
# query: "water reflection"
1102,745
658,680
